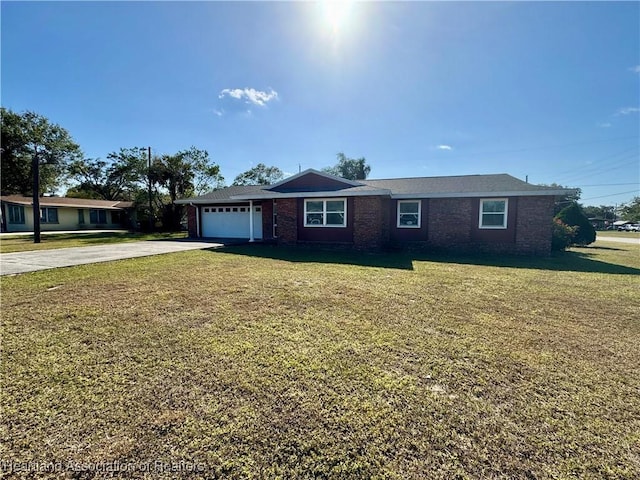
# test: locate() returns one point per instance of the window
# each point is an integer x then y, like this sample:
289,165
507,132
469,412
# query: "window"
97,216
493,213
409,213
16,214
325,213
116,217
48,215
80,216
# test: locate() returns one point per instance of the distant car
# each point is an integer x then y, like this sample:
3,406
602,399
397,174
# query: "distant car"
629,227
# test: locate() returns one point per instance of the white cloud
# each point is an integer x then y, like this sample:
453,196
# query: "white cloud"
444,147
219,113
250,95
635,69
604,125
627,110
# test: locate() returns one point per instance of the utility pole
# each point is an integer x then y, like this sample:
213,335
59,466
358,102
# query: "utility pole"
35,167
151,222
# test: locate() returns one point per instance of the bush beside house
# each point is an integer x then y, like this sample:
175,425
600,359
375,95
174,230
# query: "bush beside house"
573,217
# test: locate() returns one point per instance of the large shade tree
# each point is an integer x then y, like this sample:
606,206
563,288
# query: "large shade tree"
186,173
27,136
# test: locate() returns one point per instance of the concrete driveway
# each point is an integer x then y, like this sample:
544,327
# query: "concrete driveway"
22,262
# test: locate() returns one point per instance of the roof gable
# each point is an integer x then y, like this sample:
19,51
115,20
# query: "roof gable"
312,181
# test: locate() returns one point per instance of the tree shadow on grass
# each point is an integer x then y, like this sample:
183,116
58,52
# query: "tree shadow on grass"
571,261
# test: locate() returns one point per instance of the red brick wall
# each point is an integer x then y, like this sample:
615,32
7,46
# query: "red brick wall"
370,222
267,219
450,221
191,221
453,224
287,221
533,225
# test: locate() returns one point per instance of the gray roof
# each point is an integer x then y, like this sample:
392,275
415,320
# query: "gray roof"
500,184
459,184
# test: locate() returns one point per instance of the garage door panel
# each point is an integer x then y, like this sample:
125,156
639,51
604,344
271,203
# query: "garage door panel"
230,222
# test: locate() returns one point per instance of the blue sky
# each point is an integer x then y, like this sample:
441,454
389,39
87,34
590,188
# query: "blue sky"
545,90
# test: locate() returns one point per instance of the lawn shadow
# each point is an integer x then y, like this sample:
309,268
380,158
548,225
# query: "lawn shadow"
396,260
571,261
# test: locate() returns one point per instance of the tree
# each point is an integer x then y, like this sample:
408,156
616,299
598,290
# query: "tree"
631,211
184,174
103,180
573,216
259,175
604,212
25,135
349,168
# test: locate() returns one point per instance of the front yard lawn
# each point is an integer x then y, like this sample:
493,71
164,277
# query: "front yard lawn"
262,362
10,244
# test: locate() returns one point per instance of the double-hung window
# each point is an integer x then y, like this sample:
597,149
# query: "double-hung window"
325,212
48,215
16,214
493,213
409,213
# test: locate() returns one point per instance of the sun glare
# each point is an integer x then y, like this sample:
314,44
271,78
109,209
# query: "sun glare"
336,15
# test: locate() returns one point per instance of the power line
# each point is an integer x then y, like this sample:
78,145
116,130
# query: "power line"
607,168
609,184
594,164
605,196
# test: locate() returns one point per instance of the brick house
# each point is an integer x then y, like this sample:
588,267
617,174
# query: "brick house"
492,213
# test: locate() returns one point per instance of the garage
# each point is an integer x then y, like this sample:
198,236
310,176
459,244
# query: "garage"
231,221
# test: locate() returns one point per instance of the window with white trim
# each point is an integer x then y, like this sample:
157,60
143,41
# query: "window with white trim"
330,212
16,214
409,213
493,213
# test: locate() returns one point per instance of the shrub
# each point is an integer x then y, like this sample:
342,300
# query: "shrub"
573,216
562,235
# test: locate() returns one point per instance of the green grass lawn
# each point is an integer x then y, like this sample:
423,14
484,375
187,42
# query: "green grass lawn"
263,362
615,233
49,241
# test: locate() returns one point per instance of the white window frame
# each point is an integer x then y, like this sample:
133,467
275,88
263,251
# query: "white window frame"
398,214
324,212
505,213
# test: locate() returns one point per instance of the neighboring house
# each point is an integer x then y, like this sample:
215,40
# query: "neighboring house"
496,213
62,213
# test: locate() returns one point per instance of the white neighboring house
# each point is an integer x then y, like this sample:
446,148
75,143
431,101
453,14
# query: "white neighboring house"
63,213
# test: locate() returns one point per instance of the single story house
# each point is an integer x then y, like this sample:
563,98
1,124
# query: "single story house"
496,213
62,213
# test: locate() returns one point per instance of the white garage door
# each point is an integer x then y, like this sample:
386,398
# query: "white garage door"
231,221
